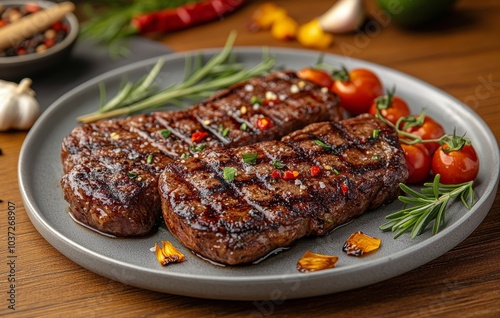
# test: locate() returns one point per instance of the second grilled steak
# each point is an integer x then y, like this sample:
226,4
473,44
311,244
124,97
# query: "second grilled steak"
308,183
112,166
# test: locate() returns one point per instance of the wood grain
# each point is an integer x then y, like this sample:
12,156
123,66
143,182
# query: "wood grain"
458,55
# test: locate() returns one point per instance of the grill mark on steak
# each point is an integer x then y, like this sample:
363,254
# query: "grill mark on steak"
240,221
110,183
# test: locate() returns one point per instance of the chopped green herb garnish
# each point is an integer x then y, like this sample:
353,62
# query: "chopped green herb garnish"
197,148
336,171
376,157
322,144
278,164
165,133
375,133
184,156
149,160
229,173
250,158
243,127
256,100
223,131
132,175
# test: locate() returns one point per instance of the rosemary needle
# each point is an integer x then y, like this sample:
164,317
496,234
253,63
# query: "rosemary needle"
426,206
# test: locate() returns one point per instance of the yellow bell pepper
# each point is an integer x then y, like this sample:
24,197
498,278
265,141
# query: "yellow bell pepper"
285,29
312,35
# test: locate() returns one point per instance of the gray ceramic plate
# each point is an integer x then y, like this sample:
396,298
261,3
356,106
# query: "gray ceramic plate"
130,261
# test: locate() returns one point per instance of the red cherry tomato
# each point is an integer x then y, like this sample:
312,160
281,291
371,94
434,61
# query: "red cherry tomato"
418,161
398,108
456,166
357,89
317,76
429,129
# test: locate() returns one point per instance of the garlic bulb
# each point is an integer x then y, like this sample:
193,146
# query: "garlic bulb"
18,107
344,16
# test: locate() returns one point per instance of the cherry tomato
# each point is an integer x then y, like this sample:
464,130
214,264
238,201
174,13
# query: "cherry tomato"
418,161
392,112
429,129
317,76
456,166
357,89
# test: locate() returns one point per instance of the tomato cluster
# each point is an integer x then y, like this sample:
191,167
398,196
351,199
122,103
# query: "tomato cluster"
426,146
356,88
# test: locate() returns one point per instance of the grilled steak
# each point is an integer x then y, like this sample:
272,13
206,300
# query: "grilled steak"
310,182
112,166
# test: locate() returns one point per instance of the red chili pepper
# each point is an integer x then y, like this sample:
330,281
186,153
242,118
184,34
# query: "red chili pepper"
345,189
276,174
290,175
315,170
198,136
264,123
184,16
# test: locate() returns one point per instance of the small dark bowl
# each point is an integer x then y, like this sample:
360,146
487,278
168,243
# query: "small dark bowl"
17,67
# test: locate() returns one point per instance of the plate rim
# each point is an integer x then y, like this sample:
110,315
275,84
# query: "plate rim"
51,234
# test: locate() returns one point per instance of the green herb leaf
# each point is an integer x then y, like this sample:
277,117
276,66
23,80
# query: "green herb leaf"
197,148
243,127
250,158
322,144
278,164
426,206
184,156
149,160
132,175
229,173
223,131
165,133
256,100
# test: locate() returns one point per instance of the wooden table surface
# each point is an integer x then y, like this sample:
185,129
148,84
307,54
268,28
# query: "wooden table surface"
460,55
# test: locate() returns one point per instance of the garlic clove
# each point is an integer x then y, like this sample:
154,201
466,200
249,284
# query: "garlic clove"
344,16
27,113
8,111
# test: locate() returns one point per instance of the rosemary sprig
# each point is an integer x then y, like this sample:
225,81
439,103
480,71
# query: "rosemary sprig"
200,80
130,92
426,206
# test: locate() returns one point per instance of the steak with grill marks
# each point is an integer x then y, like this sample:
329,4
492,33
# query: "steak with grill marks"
239,221
112,166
